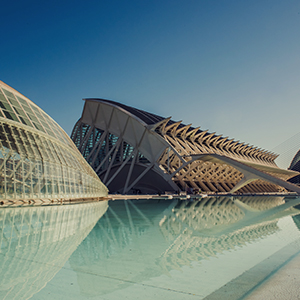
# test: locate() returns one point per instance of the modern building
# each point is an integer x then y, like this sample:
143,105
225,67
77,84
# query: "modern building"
134,151
295,166
38,161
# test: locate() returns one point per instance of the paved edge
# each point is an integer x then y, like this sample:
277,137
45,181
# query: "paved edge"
246,283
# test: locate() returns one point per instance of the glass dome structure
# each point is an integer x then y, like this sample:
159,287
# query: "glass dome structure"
38,160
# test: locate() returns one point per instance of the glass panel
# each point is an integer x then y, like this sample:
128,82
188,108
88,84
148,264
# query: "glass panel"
13,102
45,125
34,108
2,97
38,167
38,126
21,100
5,105
10,115
7,93
20,112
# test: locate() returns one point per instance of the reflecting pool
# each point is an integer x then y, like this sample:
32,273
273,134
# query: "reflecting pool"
212,248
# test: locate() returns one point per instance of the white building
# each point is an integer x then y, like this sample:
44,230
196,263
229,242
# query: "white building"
135,151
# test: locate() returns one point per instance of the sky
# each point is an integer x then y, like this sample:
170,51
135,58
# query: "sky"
232,67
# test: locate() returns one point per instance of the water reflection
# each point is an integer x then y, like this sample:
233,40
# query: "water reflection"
201,229
136,241
35,243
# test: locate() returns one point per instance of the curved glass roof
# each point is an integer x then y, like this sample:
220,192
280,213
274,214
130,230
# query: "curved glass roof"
38,160
16,107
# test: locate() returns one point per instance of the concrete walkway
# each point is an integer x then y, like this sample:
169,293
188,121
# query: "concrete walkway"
283,285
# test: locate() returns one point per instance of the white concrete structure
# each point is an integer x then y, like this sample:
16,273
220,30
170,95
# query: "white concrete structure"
135,151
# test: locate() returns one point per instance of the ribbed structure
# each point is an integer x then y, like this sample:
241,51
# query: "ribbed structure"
135,151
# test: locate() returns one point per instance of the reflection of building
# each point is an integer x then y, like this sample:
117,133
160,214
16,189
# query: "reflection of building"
116,244
35,242
140,240
196,228
135,151
37,158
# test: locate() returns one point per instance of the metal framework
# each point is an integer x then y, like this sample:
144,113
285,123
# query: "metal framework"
37,158
135,151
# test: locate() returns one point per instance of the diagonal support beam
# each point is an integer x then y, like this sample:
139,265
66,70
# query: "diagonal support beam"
248,178
250,173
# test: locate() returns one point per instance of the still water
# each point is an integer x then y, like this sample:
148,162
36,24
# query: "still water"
146,249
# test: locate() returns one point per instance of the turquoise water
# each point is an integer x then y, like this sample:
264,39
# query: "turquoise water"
145,249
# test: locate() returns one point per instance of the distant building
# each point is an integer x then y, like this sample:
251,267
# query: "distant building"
38,161
134,151
295,166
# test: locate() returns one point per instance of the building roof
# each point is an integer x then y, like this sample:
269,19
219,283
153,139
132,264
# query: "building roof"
15,106
147,117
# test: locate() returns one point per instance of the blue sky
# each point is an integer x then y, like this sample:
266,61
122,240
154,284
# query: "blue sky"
228,66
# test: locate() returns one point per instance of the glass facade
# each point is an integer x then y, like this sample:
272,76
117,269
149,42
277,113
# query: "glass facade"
101,148
37,158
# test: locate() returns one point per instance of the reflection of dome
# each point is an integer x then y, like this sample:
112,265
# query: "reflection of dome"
125,228
35,243
37,158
